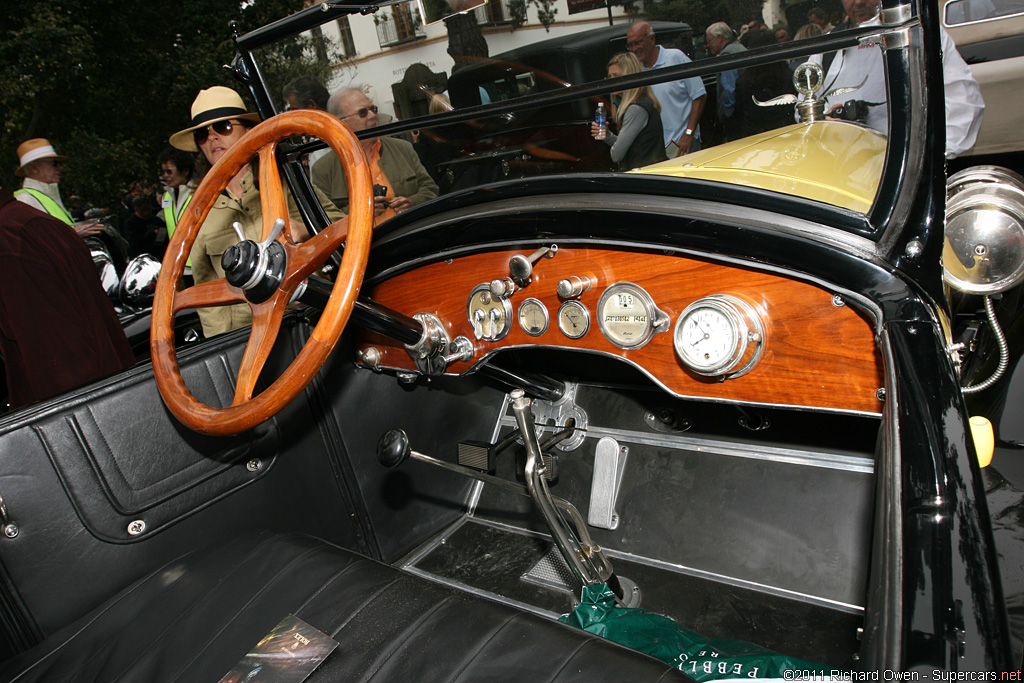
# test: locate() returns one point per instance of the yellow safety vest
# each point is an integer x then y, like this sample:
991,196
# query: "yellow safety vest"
52,207
171,219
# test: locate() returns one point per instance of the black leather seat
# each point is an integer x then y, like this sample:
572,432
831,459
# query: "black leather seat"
196,617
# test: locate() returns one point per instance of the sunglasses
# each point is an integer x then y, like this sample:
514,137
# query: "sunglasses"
362,113
201,135
166,171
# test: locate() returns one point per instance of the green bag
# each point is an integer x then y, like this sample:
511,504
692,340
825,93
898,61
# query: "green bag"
704,659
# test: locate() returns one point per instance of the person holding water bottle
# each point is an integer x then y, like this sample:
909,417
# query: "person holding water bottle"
636,113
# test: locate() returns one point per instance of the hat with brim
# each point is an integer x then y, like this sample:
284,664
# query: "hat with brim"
34,150
210,106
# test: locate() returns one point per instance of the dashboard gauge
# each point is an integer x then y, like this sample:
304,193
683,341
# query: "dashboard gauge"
573,319
533,317
627,315
719,335
807,78
490,316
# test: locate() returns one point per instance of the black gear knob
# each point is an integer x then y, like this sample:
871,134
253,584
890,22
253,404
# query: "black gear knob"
393,448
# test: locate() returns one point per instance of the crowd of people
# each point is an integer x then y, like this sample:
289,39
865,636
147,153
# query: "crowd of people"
741,93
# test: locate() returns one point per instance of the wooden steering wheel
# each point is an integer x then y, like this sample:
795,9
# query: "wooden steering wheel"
247,411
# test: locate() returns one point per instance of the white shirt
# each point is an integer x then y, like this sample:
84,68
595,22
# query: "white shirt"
964,105
51,190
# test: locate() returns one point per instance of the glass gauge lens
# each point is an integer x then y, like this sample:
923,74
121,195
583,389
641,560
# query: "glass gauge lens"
716,334
490,316
626,315
807,78
533,317
573,319
707,337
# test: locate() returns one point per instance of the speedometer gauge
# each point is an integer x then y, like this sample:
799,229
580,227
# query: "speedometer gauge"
627,315
719,335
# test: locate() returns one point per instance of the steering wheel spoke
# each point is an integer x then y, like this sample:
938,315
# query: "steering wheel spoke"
272,199
266,324
355,231
213,293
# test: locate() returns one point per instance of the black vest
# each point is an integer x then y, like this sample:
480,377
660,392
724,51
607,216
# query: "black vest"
648,147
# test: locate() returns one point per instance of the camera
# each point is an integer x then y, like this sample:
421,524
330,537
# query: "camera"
852,110
380,191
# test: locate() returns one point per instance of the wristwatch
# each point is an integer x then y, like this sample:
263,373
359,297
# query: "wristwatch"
688,131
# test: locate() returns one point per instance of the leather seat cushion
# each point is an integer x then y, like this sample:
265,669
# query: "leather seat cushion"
196,617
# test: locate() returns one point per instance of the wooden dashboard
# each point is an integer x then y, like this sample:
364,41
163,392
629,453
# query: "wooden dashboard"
816,352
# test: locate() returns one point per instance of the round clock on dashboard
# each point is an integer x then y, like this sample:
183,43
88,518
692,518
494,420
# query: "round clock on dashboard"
719,336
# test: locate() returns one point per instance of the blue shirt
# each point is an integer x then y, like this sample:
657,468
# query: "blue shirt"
676,98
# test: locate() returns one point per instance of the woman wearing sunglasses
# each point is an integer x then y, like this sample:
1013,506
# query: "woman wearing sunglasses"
219,121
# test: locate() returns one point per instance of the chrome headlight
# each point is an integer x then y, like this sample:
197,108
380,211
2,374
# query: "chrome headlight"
984,245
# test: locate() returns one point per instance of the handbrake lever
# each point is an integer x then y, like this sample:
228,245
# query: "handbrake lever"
584,557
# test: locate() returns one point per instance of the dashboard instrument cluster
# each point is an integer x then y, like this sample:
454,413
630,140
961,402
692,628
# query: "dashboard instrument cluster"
701,329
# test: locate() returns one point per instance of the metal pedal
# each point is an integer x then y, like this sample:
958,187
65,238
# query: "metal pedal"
477,455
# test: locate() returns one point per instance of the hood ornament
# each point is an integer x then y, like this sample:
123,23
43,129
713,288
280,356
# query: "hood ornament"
808,79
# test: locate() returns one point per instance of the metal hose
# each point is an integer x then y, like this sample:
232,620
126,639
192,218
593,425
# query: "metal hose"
1004,351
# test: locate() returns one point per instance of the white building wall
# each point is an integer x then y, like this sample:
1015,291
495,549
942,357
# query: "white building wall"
375,69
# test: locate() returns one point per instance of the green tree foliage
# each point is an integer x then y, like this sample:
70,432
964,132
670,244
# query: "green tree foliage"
108,81
546,12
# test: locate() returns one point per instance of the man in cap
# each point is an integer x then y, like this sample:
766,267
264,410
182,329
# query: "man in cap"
41,166
682,102
58,329
394,164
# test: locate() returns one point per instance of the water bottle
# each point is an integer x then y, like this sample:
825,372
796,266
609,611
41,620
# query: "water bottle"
601,119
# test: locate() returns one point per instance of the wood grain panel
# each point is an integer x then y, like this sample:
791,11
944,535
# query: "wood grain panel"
816,354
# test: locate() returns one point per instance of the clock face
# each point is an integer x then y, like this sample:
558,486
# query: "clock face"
707,338
807,78
719,335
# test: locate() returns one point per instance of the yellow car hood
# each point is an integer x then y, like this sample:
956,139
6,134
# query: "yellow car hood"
828,161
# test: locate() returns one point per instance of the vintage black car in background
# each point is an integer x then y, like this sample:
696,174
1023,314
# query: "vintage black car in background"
730,386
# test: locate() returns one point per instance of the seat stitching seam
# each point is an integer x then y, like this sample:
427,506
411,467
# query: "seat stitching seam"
410,630
302,556
480,648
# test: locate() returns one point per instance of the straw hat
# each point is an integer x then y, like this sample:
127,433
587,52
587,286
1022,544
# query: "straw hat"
214,104
34,150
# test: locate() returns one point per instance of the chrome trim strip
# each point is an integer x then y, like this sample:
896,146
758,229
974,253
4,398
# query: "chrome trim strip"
792,456
698,573
526,607
739,583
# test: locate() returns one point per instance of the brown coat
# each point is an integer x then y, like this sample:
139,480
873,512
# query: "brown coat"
58,329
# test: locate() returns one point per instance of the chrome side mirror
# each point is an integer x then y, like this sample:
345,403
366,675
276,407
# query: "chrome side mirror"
138,284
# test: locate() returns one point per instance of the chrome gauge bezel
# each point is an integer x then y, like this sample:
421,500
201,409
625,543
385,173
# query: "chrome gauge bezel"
544,311
748,330
572,303
655,318
493,302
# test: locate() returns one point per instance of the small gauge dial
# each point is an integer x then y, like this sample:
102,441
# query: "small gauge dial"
533,317
807,78
573,319
490,316
719,335
627,315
